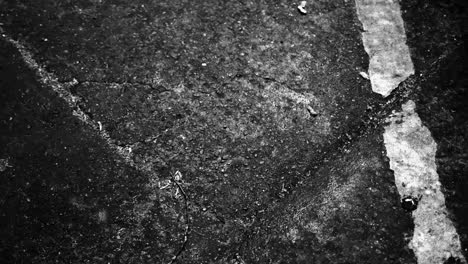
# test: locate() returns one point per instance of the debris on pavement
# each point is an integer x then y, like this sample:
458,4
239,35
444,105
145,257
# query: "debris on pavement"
364,75
177,177
311,111
301,7
102,216
409,203
4,164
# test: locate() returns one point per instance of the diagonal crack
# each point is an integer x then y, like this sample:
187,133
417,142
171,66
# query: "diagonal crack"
376,114
378,111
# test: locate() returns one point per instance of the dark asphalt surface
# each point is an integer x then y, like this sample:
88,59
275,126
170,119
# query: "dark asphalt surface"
216,91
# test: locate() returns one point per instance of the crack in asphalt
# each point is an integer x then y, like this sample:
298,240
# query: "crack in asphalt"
378,111
374,120
187,218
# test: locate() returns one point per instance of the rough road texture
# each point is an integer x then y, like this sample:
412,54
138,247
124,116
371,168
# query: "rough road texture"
261,110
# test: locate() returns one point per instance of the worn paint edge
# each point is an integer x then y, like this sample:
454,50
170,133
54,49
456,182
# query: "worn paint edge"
412,150
62,90
384,40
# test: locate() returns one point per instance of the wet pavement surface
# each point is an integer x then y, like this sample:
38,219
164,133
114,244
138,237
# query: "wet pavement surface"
249,129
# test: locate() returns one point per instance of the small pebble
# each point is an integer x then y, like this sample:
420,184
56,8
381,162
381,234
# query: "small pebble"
409,203
311,111
364,75
301,7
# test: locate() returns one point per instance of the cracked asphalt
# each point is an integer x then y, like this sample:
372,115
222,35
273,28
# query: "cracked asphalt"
216,131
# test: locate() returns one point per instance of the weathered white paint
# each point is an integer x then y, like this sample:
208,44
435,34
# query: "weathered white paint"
411,150
62,90
384,40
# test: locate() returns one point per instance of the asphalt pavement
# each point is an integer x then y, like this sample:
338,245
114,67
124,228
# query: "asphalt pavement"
223,132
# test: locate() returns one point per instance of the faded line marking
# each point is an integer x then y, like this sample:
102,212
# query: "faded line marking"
384,40
412,151
50,80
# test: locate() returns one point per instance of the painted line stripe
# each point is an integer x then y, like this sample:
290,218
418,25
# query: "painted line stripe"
384,40
409,144
412,151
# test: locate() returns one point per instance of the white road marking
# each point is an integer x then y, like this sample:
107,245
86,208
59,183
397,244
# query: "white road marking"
384,40
412,151
409,144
